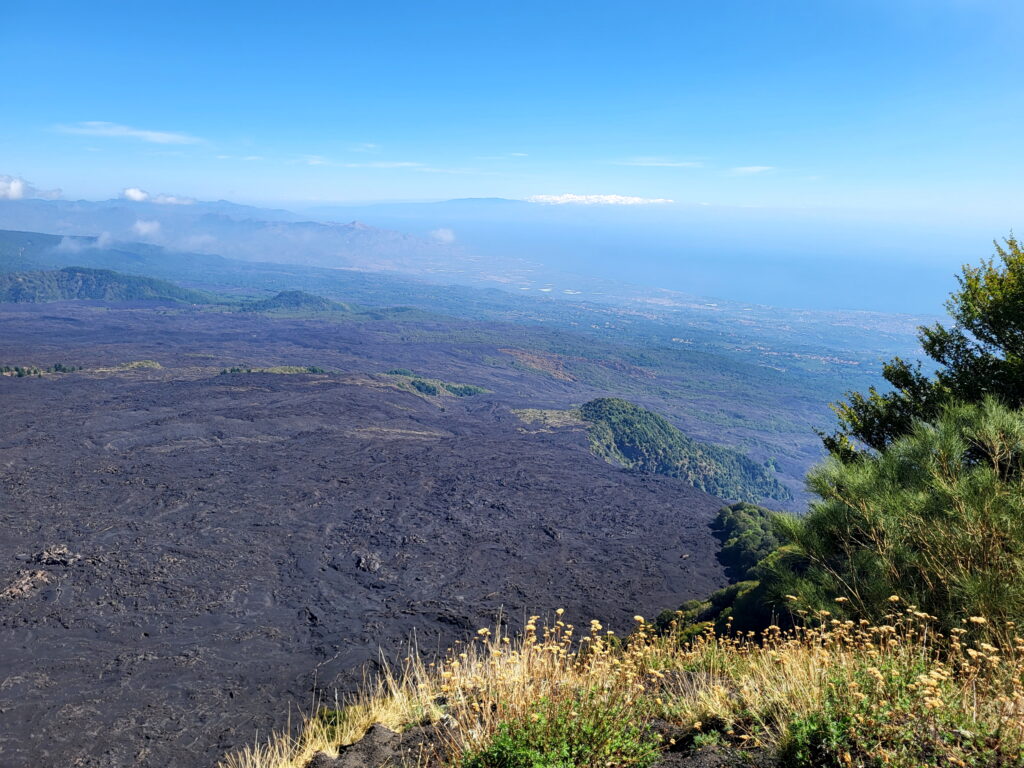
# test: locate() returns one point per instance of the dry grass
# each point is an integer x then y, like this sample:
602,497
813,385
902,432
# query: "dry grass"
835,693
551,364
551,418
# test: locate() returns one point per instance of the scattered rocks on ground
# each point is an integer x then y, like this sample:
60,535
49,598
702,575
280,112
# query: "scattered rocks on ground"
57,555
382,747
24,584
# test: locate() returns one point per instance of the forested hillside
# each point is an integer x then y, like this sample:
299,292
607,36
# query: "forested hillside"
97,284
646,442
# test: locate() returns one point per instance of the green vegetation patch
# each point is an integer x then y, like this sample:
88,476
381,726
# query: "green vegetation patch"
131,365
406,379
643,441
748,535
21,371
77,283
590,729
296,302
879,718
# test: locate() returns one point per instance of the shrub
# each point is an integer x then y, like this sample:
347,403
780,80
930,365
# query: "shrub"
425,387
464,390
748,535
938,518
590,730
980,355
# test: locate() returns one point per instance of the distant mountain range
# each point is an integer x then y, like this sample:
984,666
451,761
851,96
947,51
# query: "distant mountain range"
83,283
247,233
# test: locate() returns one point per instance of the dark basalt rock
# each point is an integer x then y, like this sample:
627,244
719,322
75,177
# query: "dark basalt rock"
383,747
249,542
57,555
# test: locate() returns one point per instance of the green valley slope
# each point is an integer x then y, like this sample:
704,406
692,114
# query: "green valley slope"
73,283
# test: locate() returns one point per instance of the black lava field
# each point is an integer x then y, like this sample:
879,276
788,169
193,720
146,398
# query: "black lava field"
186,555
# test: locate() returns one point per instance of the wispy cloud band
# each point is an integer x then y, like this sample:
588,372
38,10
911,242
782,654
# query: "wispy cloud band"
658,162
117,131
751,170
571,199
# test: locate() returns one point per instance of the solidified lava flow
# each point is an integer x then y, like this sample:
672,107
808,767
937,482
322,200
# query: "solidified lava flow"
185,555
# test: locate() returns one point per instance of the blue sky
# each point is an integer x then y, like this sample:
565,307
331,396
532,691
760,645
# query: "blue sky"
910,107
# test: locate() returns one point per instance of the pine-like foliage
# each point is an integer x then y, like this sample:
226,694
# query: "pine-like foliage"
936,518
980,355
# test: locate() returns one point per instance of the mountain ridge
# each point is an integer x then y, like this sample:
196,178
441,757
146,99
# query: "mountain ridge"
78,283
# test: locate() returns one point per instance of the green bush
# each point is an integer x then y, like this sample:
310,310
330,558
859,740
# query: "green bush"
881,719
588,731
464,390
425,387
937,518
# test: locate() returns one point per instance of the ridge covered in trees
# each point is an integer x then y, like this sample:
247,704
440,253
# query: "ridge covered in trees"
646,442
73,283
295,301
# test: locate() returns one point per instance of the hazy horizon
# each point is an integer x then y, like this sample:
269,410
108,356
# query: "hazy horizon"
777,155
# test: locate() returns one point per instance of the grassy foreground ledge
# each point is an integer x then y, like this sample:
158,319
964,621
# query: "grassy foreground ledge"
826,693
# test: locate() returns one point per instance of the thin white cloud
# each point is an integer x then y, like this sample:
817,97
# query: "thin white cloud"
77,244
116,131
365,146
570,199
443,235
379,164
658,162
17,188
71,245
384,164
751,170
429,169
137,195
172,200
144,228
